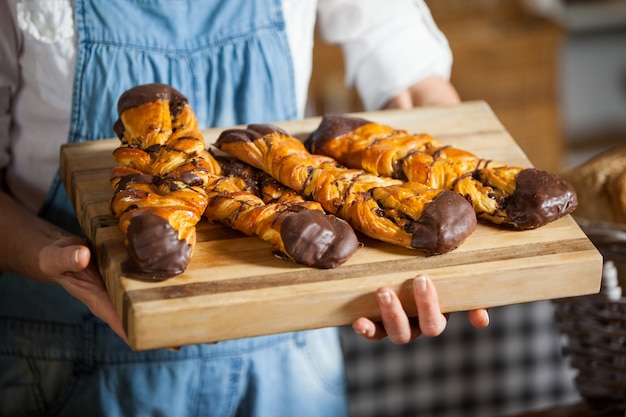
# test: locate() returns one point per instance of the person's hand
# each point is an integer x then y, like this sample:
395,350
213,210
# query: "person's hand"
399,327
67,261
38,250
430,91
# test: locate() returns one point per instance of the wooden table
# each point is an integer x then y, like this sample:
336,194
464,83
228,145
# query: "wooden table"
235,288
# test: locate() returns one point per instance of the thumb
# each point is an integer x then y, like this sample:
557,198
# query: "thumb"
56,260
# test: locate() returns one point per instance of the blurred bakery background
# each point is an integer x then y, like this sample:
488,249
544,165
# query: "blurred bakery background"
554,72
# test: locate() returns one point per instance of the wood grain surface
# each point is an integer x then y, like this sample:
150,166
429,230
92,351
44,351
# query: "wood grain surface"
234,287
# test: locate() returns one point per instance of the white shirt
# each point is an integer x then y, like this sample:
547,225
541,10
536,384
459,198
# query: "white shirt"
388,46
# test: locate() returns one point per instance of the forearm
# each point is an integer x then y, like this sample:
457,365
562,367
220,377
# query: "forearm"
388,46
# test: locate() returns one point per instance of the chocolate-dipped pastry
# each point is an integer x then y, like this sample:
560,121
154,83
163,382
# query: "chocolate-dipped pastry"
155,249
539,198
441,223
512,196
317,239
250,201
163,168
390,210
166,181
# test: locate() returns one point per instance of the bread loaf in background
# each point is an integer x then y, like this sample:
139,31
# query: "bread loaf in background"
601,187
600,184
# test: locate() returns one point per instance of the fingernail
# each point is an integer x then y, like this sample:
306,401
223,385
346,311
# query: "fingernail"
486,317
76,256
384,297
360,332
420,283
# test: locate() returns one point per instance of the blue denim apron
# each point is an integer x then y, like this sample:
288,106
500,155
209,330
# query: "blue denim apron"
231,59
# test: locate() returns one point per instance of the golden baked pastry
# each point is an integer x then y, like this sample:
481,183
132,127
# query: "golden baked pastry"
166,181
163,169
250,201
522,198
402,213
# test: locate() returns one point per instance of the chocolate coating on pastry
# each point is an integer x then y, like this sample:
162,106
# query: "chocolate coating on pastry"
236,135
146,93
265,129
445,222
252,132
540,197
191,179
333,126
315,239
232,167
154,248
188,178
134,179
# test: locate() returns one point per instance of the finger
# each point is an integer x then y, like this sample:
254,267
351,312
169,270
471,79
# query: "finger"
82,257
368,329
71,267
478,318
401,101
104,310
55,260
394,318
87,286
431,321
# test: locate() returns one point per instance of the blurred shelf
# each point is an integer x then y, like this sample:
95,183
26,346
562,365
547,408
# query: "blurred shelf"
583,16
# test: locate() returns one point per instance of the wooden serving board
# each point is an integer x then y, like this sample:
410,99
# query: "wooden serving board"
234,287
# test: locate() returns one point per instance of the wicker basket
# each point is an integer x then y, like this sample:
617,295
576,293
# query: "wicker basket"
595,328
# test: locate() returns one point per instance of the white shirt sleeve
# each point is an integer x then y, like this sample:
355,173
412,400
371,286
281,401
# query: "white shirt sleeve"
9,77
388,45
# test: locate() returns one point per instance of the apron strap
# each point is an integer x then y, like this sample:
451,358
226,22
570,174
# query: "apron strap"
232,60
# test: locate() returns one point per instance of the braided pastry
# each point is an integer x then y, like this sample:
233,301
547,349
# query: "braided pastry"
160,180
254,203
166,180
405,214
517,197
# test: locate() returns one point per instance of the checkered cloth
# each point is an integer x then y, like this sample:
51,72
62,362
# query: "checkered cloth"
513,365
